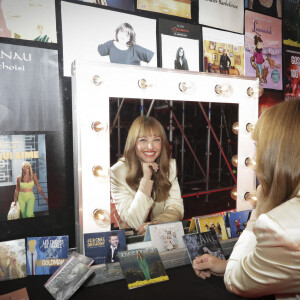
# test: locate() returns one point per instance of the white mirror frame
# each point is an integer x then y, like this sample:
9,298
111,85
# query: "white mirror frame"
94,83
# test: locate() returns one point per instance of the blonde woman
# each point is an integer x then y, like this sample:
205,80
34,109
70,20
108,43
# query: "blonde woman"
144,185
24,190
266,257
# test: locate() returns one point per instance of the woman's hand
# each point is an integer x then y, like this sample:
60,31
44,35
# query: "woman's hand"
143,228
148,169
207,264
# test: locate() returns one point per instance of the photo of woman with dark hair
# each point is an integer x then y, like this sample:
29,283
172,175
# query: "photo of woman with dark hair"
123,49
180,62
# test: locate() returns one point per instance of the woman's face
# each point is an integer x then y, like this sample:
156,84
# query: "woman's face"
26,169
259,45
148,148
123,37
180,53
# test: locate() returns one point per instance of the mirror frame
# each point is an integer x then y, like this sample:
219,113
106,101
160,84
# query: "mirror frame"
94,83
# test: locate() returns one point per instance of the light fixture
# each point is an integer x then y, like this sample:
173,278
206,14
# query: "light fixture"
101,217
98,127
249,127
234,160
235,128
233,194
97,80
255,91
249,162
100,173
142,83
251,197
224,89
187,87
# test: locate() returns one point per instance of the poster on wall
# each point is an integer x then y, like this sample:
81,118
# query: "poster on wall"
178,8
28,101
28,20
271,8
291,22
291,74
226,15
263,49
223,52
269,99
122,4
23,175
179,45
106,36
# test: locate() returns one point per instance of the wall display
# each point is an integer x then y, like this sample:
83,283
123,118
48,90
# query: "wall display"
263,49
12,259
179,8
28,20
122,4
291,22
28,101
20,154
182,40
291,74
223,52
269,99
102,35
272,8
226,15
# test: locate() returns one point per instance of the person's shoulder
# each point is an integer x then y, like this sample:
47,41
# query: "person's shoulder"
119,168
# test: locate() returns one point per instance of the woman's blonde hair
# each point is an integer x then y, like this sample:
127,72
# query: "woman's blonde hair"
26,164
278,154
144,126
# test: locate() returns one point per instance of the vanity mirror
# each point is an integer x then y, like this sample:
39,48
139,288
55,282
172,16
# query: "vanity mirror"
108,97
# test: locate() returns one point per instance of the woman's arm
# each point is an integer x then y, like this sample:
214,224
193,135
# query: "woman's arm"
17,190
104,49
39,188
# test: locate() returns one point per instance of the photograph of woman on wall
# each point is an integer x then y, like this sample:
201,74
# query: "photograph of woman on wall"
180,62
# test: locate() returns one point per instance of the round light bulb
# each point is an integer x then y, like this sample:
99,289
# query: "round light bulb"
251,197
101,217
225,89
234,160
97,80
249,127
98,127
233,194
249,162
235,128
100,173
187,87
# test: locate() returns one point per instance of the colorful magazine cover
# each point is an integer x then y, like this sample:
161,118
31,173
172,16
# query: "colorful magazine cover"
28,20
226,15
20,294
166,236
271,8
291,74
223,52
178,8
238,222
23,156
69,277
103,247
12,259
122,4
203,243
263,49
181,39
46,254
142,267
291,22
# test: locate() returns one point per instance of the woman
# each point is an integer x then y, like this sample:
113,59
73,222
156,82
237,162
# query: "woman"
123,49
143,265
144,185
24,190
266,258
180,62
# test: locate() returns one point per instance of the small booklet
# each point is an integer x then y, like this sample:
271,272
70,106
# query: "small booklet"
69,277
166,236
103,247
202,243
142,267
20,294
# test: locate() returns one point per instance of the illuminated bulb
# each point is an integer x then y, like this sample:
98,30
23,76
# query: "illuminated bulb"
98,127
100,173
234,160
235,128
225,89
255,91
234,194
187,87
249,127
96,80
251,197
101,217
142,83
249,162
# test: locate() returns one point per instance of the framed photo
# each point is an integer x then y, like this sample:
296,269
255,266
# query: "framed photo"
235,48
215,56
221,49
230,54
212,45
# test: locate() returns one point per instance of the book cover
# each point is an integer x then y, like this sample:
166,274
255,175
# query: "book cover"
20,294
291,22
203,243
69,277
238,222
122,4
103,247
142,267
179,45
263,7
166,237
12,259
45,255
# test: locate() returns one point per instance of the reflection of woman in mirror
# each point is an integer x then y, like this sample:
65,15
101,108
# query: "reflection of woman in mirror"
144,185
24,190
180,62
123,49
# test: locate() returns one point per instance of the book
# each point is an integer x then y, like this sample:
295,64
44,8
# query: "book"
20,294
142,267
12,259
69,277
166,236
238,222
46,254
103,247
202,243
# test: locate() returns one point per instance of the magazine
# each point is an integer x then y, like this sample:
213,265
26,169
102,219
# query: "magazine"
142,267
238,222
